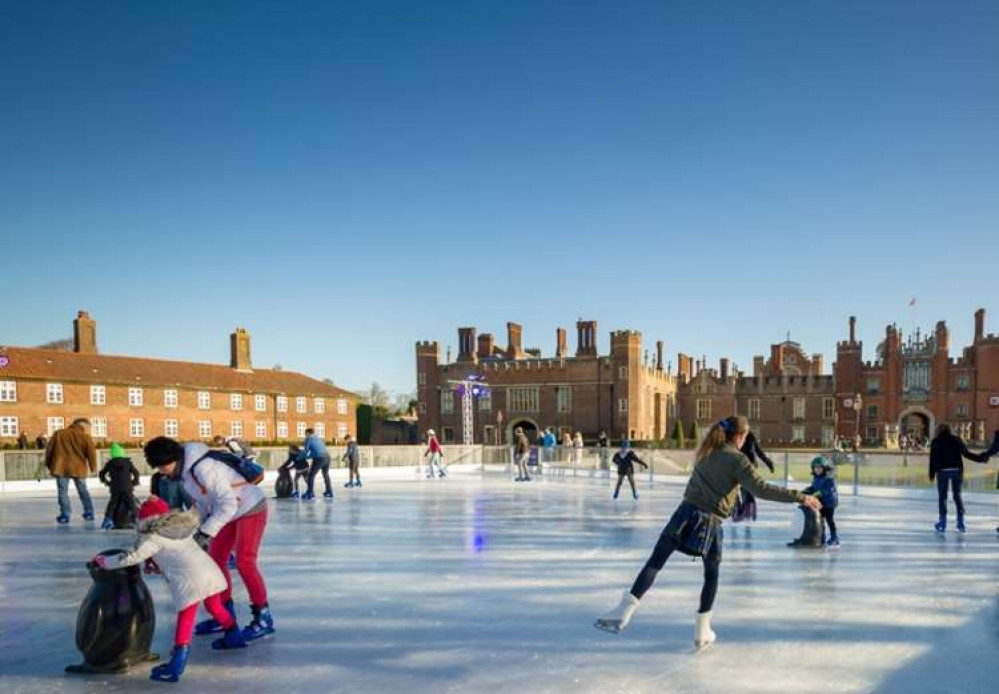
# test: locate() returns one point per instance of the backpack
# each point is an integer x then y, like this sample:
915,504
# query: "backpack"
250,471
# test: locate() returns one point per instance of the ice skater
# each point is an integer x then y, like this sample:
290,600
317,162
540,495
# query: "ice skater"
299,467
434,455
233,519
166,544
352,457
625,460
522,455
745,504
314,448
947,453
823,487
120,475
695,528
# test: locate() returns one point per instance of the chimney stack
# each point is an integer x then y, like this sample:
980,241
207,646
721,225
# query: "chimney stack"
466,344
683,367
979,325
818,364
723,368
514,349
759,365
486,344
84,334
586,340
853,330
239,350
659,355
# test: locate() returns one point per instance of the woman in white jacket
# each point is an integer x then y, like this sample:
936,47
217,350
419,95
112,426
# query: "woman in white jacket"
166,543
233,519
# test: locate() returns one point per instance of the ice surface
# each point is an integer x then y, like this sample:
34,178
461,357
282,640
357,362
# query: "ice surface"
479,584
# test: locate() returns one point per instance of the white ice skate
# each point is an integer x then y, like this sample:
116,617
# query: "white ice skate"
703,635
617,620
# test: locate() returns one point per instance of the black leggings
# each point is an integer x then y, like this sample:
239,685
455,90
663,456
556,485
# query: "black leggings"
665,547
827,515
631,481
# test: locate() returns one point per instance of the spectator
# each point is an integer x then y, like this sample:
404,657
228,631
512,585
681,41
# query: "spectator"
68,456
22,441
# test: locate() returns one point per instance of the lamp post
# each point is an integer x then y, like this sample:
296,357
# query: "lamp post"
858,403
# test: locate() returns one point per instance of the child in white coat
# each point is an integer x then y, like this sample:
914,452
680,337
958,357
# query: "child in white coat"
166,543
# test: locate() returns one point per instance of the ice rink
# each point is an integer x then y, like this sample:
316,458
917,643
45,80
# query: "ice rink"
478,584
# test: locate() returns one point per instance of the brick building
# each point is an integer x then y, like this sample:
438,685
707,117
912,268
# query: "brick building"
624,392
132,399
914,383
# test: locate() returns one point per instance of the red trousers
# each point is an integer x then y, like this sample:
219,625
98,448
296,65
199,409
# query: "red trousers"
242,537
185,618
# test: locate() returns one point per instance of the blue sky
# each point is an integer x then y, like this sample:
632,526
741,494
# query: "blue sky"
344,179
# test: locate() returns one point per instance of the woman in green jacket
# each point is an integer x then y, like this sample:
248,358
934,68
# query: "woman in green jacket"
695,528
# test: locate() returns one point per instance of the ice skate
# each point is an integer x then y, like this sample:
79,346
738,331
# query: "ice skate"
233,639
172,670
703,635
833,541
960,525
308,496
107,523
62,519
261,625
327,495
210,626
358,483
618,619
349,485
88,516
941,525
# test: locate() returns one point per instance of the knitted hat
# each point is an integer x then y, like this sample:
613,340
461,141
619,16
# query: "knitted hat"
117,451
151,507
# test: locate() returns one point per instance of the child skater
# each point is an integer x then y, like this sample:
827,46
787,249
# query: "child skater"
166,539
121,476
435,454
823,487
696,526
625,460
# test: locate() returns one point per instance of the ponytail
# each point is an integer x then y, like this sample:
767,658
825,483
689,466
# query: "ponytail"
722,432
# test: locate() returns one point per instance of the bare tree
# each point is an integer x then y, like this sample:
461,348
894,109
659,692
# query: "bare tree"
64,345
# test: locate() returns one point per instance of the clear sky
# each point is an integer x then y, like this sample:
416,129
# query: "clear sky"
345,178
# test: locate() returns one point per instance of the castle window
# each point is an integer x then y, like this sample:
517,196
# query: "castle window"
8,391
828,408
169,400
563,398
204,400
962,409
622,405
99,427
54,424
872,411
797,433
754,409
423,408
522,399
827,435
421,378
873,385
963,383
447,402
486,402
53,393
447,435
135,397
703,409
798,408
8,427
622,373
171,427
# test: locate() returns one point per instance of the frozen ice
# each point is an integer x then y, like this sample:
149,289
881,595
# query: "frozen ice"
480,584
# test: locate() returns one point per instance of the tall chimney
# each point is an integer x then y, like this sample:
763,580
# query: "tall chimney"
659,355
979,325
239,350
853,330
514,350
818,364
466,344
561,344
84,334
486,344
586,338
777,357
723,368
759,365
683,367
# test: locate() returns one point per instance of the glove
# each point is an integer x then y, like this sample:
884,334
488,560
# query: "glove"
203,539
100,560
150,567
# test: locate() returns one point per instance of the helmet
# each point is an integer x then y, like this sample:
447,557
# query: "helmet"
825,463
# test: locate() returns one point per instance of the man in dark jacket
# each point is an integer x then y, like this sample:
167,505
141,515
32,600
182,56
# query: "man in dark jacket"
68,456
947,453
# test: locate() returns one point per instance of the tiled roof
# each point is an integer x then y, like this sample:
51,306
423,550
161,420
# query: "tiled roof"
54,365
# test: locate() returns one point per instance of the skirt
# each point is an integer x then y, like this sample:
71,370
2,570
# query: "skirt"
697,533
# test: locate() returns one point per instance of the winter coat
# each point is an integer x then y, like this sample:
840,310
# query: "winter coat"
70,452
120,475
751,449
714,483
170,490
191,574
823,487
625,462
523,445
219,493
948,451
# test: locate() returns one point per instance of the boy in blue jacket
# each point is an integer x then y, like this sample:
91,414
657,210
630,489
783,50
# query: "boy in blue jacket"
823,487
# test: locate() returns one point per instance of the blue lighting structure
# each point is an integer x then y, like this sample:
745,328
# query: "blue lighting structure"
470,388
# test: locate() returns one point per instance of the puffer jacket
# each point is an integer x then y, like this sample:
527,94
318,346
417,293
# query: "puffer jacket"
219,493
188,570
824,487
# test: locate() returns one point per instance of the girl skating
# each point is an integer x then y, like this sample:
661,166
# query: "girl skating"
434,455
695,528
625,460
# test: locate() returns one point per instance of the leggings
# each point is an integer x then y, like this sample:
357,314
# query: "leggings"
631,481
665,547
827,515
185,618
242,535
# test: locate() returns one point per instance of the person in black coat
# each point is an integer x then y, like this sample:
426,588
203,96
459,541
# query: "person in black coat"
745,505
947,453
121,476
625,460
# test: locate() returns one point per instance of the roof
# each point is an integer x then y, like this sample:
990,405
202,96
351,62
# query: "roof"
60,366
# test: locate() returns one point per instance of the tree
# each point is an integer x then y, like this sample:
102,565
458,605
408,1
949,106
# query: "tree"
379,400
66,344
405,404
695,433
678,434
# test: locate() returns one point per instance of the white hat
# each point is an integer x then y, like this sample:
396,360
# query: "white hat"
431,432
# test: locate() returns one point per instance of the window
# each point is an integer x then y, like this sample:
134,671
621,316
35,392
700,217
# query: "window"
53,424
422,408
522,399
170,399
260,431
319,405
320,430
135,397
963,382
98,395
300,429
797,433
703,409
872,411
171,428
301,403
798,406
448,435
8,427
260,403
341,430
341,406
828,408
282,430
421,378
136,428
282,403
871,434
486,401
447,402
622,373
754,409
204,400
790,359
873,385
563,398
205,428
235,402
99,427
236,428
962,409
827,435
53,393
8,391
622,404
489,435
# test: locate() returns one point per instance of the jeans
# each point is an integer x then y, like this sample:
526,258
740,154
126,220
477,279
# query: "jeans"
62,484
318,464
954,477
